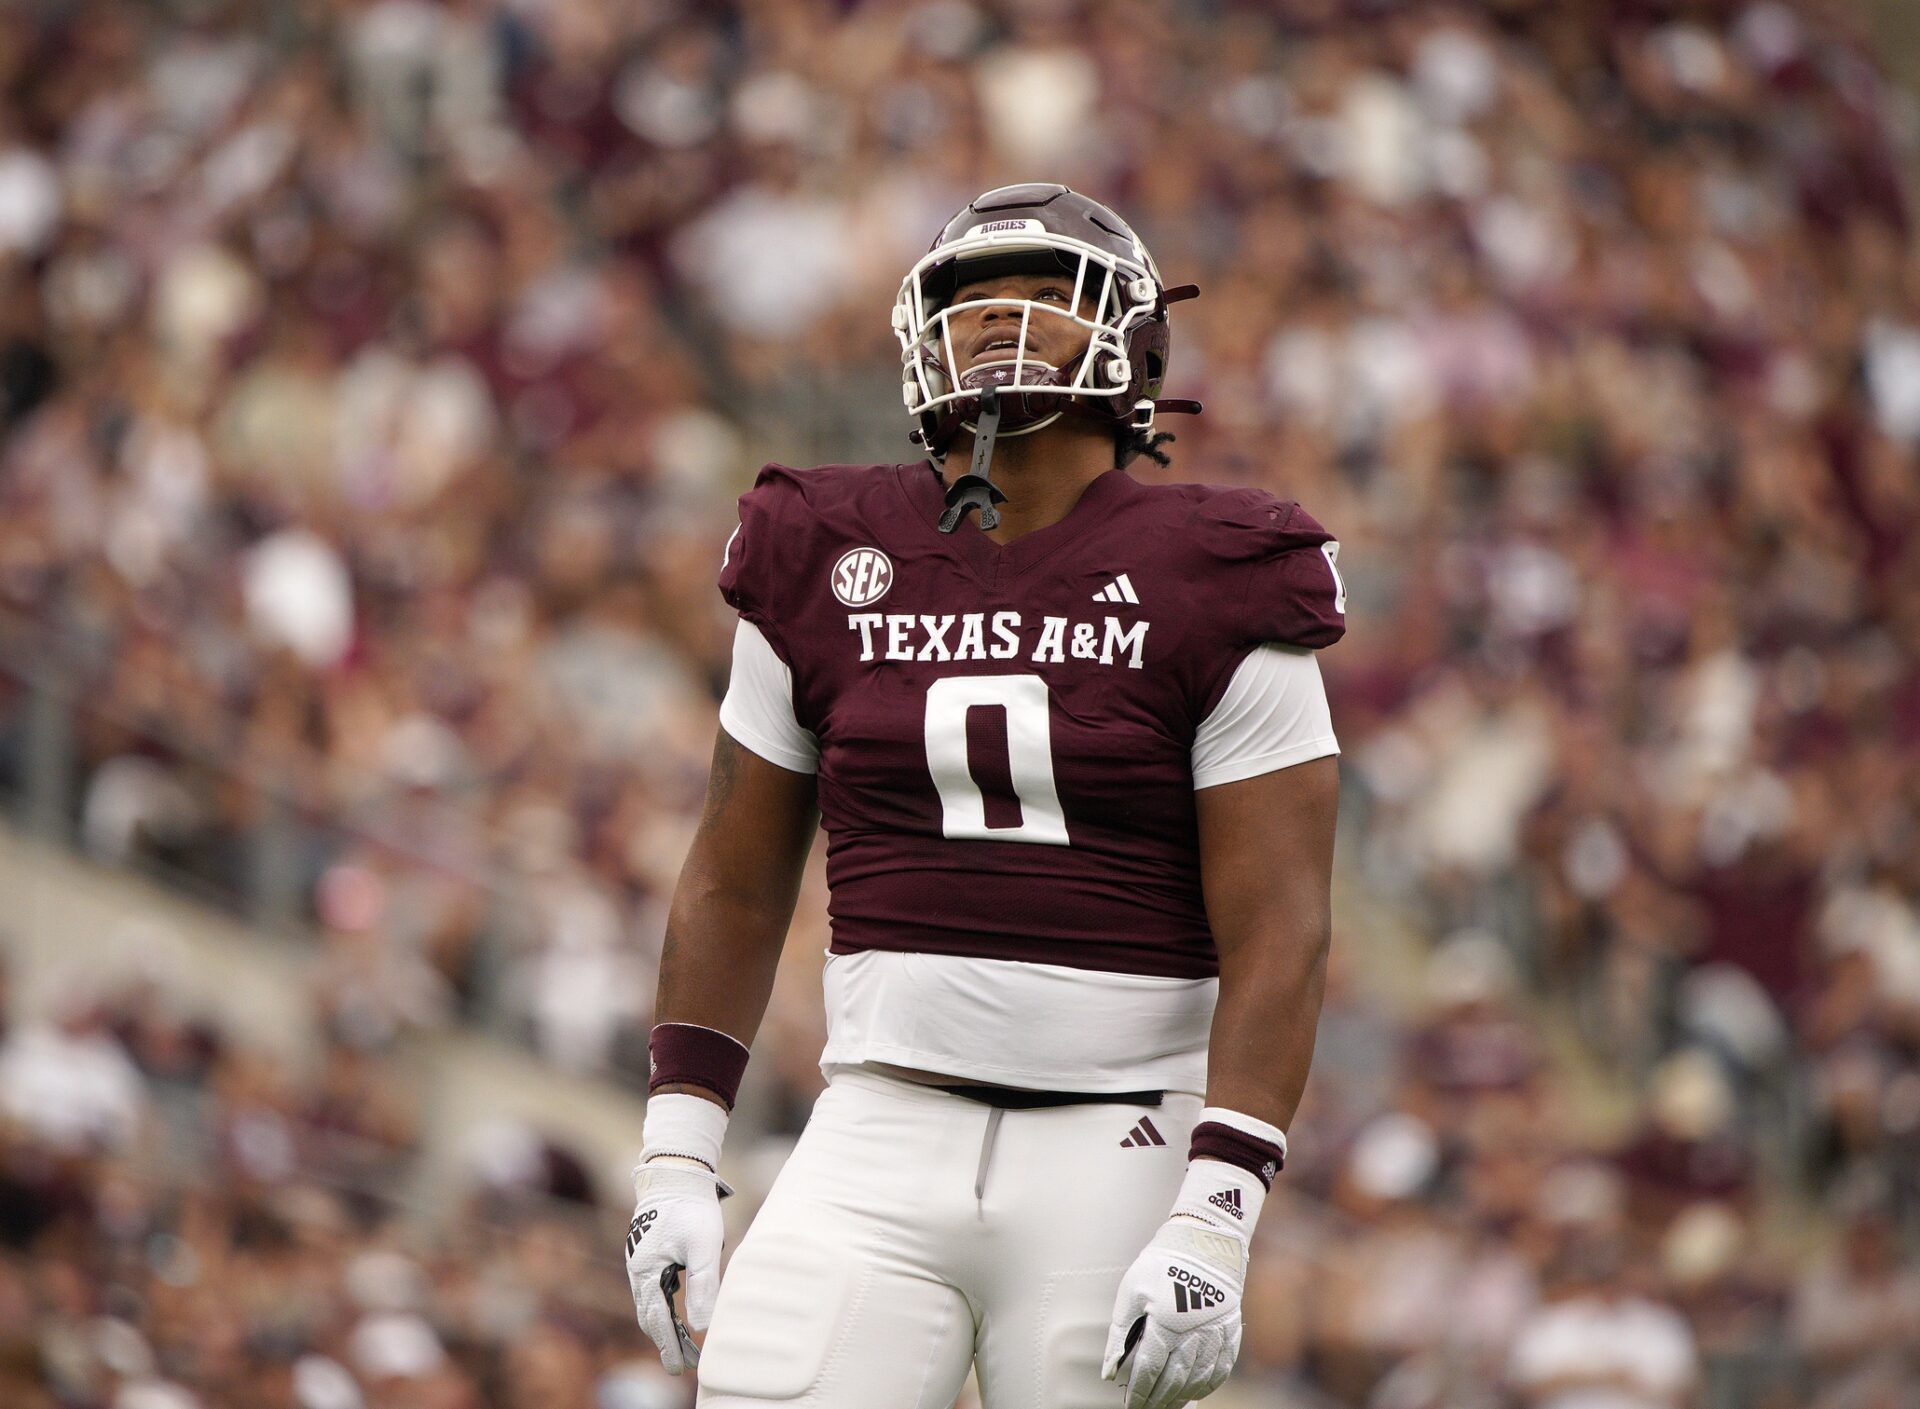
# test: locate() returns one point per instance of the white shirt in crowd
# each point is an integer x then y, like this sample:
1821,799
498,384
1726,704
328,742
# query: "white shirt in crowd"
1596,1352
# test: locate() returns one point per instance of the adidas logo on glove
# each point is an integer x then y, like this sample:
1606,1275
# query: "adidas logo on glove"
1229,1200
637,1229
1192,1292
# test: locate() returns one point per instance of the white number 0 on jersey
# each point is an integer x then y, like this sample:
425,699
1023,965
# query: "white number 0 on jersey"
963,807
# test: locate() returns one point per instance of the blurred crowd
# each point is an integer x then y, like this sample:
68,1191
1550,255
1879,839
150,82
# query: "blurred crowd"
187,1224
376,377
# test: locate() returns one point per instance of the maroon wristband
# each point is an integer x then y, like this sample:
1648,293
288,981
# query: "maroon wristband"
699,1056
1260,1158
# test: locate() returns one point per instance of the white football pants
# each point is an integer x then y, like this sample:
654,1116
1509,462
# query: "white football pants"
873,1275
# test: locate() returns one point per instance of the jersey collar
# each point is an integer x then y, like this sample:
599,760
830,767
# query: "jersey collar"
925,493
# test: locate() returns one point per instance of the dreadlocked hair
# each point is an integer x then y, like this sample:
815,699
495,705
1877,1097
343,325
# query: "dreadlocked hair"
1131,444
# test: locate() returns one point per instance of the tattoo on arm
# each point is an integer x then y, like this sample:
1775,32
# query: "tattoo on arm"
734,899
720,781
722,774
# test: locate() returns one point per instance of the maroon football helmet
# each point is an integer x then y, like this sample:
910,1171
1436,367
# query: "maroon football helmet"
1036,228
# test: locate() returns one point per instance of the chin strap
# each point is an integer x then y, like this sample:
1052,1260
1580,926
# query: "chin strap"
974,490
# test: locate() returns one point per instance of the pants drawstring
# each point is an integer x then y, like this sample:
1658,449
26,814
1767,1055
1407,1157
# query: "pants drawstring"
986,1154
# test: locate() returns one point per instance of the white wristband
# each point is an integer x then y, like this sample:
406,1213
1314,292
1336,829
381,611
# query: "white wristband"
691,1127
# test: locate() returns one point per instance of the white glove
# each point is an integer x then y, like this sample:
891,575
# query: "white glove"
1183,1292
676,1221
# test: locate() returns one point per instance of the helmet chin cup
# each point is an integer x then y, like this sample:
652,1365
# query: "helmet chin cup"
1025,401
1002,376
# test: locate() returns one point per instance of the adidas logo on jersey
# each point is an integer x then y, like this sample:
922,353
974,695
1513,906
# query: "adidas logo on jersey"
1192,1292
1118,590
1228,1199
1142,1133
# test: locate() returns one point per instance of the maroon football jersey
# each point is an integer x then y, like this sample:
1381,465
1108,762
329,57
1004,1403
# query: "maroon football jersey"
1005,732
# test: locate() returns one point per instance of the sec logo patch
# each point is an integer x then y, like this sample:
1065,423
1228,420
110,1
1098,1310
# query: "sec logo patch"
861,577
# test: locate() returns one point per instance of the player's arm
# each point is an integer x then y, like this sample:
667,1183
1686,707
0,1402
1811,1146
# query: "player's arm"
1266,857
735,895
725,930
735,899
1266,867
1265,796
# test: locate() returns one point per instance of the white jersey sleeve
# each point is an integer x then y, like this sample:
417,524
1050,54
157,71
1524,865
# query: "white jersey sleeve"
1272,716
758,708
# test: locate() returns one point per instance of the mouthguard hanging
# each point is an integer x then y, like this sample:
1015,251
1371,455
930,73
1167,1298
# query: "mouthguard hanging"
974,490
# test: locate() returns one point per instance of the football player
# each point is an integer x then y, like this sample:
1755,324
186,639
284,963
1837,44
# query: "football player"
1068,739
